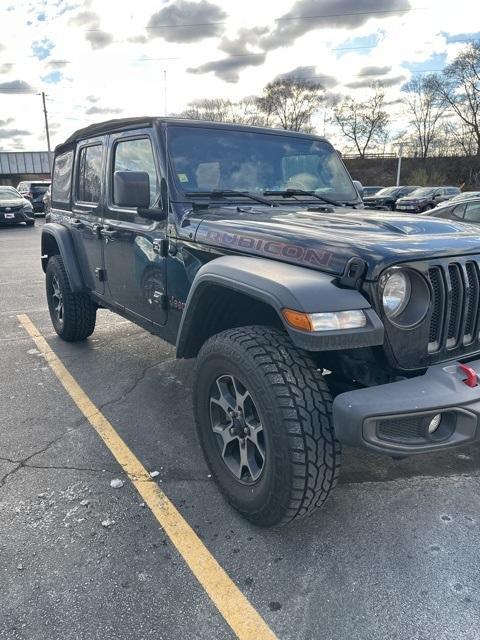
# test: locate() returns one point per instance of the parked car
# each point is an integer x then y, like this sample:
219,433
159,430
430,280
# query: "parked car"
465,195
387,197
425,198
14,208
34,191
466,211
369,191
269,285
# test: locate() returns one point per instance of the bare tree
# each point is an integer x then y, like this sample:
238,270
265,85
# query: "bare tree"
244,111
364,123
459,85
425,106
291,103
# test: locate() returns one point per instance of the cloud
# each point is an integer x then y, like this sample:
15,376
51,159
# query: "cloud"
16,86
372,70
306,15
98,38
186,21
228,69
92,98
98,110
310,73
367,82
6,67
6,134
4,123
57,64
84,19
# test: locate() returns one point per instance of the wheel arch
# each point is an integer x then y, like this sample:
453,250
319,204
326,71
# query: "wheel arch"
234,291
57,240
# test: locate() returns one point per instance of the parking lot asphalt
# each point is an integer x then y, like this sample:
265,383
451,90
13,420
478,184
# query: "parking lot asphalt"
394,554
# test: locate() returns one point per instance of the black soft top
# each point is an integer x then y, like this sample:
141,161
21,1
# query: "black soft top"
109,126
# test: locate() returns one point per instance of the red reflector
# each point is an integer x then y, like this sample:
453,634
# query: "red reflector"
471,379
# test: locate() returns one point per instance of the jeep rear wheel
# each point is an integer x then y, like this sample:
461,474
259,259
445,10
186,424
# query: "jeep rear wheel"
73,315
264,420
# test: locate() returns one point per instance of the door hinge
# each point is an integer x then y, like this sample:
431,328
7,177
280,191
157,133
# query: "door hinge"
160,246
101,274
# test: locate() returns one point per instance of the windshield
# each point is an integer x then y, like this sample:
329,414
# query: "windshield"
9,193
388,191
219,159
420,193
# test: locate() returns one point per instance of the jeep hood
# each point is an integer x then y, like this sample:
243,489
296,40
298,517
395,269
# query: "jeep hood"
327,240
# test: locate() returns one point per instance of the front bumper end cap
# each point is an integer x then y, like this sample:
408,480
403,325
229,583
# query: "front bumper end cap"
394,418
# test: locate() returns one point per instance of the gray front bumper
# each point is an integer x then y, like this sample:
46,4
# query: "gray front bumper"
362,417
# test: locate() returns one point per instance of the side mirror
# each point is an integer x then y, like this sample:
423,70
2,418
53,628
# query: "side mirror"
131,189
358,187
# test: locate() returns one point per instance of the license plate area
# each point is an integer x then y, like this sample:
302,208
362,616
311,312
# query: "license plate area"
9,216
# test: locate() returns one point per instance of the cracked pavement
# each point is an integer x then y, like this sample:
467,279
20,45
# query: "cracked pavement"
394,555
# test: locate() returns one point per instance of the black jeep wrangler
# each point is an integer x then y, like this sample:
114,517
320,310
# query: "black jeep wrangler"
313,322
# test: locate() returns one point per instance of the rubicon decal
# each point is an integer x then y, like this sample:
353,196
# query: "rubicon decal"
273,248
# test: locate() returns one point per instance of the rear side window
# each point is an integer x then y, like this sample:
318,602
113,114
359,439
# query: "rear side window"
90,174
459,210
62,177
137,155
472,212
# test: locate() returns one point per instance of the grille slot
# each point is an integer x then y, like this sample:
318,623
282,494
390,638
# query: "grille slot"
455,301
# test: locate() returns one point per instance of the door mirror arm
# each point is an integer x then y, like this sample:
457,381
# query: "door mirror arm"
154,213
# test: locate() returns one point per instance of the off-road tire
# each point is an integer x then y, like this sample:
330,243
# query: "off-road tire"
79,311
302,458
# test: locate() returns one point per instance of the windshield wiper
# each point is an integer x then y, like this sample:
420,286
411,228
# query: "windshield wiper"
222,193
301,192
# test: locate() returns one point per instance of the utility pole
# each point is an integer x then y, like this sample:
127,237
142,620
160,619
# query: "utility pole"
165,91
46,120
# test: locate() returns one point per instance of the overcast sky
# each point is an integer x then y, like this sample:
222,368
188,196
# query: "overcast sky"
100,59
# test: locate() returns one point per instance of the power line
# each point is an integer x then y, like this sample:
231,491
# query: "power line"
248,55
324,16
315,77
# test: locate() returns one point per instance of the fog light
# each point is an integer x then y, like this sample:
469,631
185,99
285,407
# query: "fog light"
434,423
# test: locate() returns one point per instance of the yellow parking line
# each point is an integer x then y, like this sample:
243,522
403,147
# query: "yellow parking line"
238,612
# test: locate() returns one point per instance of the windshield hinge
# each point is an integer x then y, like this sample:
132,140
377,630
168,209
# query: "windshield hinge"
353,274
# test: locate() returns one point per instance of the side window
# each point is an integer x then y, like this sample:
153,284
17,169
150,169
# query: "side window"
136,155
62,177
90,174
472,212
459,210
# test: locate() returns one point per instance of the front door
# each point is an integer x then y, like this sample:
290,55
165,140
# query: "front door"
86,215
133,246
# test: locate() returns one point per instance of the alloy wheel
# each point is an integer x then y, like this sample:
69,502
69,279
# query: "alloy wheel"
238,429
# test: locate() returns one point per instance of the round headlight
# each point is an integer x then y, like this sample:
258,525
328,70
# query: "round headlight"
396,293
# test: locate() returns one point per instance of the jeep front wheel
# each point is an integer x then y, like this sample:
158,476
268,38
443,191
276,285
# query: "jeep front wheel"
73,314
264,420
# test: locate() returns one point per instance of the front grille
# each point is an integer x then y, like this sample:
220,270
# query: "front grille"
10,209
408,428
455,298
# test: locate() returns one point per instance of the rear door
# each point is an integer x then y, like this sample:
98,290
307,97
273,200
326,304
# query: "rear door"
85,220
135,266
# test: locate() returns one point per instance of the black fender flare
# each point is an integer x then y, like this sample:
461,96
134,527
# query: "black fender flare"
282,285
66,248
